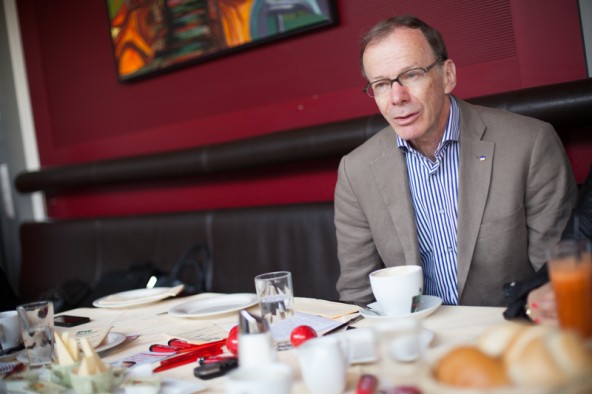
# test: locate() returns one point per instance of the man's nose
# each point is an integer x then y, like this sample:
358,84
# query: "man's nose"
399,94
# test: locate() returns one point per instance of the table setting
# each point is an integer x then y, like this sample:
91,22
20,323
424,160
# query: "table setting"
270,341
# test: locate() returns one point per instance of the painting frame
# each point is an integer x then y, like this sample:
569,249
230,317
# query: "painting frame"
151,37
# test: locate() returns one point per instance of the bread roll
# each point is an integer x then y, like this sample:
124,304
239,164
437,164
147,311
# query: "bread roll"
517,345
495,340
467,366
535,366
537,356
570,352
549,360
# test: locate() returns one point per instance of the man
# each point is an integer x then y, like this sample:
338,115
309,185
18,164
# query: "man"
473,195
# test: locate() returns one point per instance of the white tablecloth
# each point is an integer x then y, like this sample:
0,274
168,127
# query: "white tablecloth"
451,324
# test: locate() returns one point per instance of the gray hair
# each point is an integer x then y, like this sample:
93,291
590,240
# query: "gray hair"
387,26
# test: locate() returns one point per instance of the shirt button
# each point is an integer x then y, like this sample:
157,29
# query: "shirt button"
441,211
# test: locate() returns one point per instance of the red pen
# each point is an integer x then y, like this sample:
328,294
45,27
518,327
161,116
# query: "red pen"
205,350
176,346
157,348
185,358
180,344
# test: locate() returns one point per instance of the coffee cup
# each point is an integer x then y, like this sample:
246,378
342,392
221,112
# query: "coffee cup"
10,330
396,287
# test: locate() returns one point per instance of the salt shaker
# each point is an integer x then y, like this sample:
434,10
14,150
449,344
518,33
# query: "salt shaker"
255,343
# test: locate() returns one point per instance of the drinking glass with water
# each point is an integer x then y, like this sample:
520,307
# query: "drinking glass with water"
36,320
276,300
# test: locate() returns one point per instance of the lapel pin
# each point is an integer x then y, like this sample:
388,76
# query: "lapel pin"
482,158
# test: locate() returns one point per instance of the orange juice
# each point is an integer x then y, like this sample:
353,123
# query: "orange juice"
571,278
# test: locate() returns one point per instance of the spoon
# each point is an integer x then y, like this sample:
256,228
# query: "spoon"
371,311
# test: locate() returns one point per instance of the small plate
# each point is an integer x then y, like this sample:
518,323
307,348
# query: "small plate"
11,355
427,305
214,305
134,297
113,339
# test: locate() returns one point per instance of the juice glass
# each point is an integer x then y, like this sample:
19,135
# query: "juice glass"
570,268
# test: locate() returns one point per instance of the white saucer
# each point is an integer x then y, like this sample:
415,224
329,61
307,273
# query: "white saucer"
427,305
214,305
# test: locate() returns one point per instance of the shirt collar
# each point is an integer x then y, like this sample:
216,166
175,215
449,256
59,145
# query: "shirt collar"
451,132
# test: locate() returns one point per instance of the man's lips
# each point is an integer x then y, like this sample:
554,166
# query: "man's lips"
404,120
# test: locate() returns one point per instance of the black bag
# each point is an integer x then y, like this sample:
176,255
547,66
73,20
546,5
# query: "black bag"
77,294
193,270
136,276
8,299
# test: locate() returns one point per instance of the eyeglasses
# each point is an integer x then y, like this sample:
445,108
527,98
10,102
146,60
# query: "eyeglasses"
408,78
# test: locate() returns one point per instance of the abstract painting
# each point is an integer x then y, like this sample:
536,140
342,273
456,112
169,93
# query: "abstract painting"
150,36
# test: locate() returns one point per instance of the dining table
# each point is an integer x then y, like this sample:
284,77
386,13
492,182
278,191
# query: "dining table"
153,323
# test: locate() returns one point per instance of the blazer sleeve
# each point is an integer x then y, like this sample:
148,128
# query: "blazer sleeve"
356,250
580,222
551,193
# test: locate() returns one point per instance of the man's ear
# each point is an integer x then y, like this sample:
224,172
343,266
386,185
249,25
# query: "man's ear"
449,76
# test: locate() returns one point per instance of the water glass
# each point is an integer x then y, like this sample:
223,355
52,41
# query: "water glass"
400,349
570,269
36,320
276,300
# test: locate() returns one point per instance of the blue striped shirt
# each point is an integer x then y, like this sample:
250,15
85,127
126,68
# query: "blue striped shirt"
434,192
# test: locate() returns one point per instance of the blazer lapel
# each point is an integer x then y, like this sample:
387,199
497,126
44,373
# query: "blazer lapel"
476,160
390,174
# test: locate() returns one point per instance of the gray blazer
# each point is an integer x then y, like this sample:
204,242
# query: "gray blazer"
511,206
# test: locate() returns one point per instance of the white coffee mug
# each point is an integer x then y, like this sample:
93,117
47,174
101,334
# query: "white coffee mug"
323,363
271,378
395,287
10,330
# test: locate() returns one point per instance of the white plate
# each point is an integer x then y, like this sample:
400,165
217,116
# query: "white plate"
10,356
427,305
214,305
113,339
133,297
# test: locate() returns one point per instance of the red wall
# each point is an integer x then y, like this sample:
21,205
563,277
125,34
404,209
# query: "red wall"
83,114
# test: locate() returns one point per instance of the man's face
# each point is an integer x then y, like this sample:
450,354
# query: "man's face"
418,114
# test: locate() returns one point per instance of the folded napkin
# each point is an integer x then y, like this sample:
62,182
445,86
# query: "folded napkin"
7,367
328,309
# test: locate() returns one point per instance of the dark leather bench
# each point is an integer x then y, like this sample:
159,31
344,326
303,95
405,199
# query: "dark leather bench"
243,242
